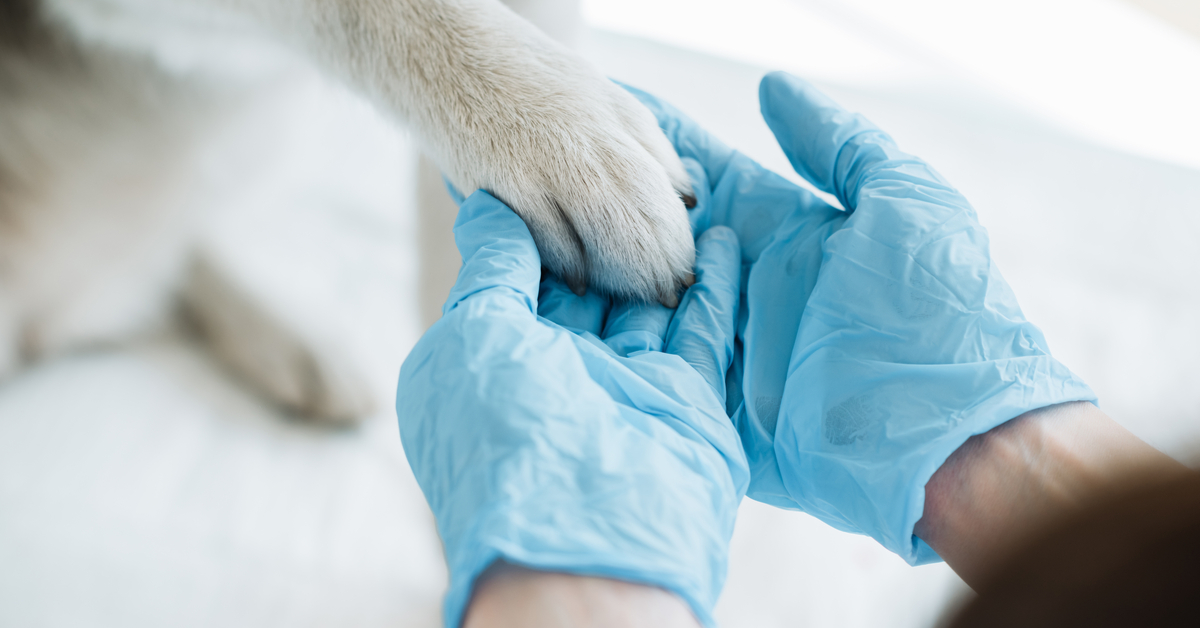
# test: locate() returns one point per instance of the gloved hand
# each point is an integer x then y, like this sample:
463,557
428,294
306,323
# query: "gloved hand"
584,440
872,342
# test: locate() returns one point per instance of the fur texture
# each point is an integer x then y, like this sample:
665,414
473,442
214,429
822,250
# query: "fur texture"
111,111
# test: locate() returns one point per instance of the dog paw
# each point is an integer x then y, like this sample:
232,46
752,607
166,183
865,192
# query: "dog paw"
9,354
583,163
297,368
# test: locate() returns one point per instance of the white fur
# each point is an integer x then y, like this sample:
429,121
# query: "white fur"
498,104
110,118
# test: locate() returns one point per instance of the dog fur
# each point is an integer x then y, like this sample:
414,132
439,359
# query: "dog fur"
111,119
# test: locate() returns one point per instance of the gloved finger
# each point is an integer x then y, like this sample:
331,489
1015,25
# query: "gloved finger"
703,328
455,195
838,151
559,305
634,327
499,256
689,139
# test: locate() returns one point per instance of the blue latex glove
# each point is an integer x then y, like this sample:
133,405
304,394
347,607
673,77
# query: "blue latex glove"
872,342
581,440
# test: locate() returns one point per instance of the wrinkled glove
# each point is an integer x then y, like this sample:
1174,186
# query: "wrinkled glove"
584,440
872,342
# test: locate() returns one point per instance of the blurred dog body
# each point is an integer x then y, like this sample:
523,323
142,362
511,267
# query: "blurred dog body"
122,121
94,189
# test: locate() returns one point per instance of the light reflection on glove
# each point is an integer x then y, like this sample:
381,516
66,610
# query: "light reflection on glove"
582,440
872,342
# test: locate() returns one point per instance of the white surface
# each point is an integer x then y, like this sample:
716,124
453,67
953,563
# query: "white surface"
140,486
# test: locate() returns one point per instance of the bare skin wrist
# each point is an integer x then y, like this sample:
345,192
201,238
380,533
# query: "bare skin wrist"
507,596
1002,486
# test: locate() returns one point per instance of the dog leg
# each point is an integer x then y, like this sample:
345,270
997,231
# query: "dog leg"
297,367
499,106
9,354
561,20
502,107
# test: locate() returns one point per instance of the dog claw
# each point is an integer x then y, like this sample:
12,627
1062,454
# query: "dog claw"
578,285
671,299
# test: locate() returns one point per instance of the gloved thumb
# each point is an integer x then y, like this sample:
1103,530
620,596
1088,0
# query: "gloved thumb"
499,256
831,147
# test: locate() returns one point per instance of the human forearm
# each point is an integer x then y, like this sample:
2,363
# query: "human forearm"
1003,485
512,597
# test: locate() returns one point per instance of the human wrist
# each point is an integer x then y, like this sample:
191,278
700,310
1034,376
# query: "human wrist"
508,596
1005,484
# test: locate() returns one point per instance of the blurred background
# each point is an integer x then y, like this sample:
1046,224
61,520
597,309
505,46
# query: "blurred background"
143,485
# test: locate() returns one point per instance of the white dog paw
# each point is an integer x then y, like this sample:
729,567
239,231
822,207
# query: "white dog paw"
9,354
297,368
588,169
